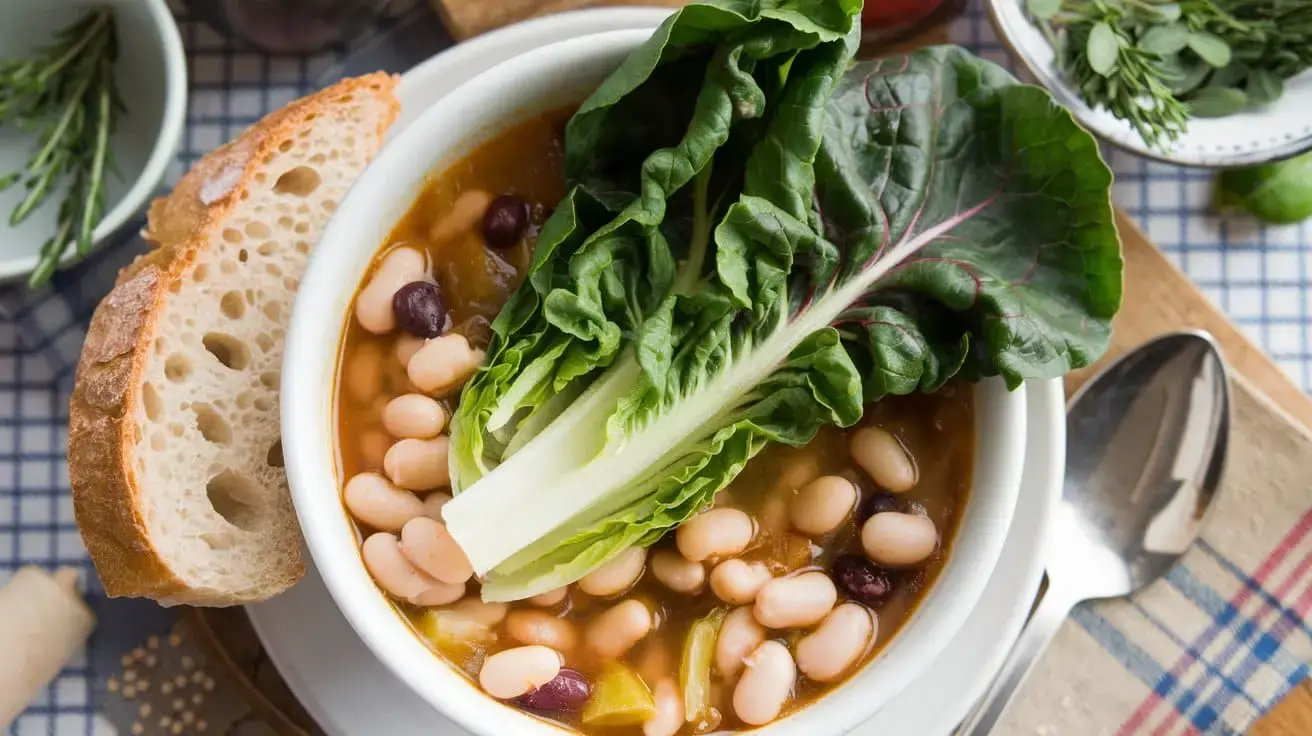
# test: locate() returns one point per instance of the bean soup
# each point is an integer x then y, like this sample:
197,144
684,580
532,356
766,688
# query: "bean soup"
805,566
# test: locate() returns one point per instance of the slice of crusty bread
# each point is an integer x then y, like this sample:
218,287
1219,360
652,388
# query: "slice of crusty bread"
173,448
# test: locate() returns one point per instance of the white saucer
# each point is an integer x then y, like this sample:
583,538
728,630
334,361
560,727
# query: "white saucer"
348,691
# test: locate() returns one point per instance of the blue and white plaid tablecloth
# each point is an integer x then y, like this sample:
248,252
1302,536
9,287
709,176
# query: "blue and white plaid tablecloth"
1259,275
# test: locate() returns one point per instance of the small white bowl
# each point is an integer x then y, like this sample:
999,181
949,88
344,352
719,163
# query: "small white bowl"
476,111
1280,130
152,80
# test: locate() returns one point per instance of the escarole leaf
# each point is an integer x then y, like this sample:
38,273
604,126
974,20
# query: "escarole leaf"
870,230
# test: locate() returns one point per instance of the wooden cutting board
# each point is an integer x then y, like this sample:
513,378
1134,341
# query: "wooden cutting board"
1158,298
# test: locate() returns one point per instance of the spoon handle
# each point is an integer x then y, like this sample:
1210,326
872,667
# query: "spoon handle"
1033,639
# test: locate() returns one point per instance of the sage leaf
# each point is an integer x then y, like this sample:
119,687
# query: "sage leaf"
1103,48
1043,9
1264,87
1165,40
1217,102
1230,75
1210,48
1184,75
1169,12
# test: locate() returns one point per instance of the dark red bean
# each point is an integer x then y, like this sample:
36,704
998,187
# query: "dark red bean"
861,580
876,502
505,221
565,694
419,309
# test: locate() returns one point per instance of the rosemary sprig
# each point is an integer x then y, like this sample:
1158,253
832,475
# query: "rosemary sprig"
67,94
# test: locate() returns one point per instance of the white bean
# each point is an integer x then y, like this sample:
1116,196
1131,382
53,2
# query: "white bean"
433,504
766,683
897,540
677,573
617,575
737,582
431,548
389,568
373,444
669,710
772,516
616,630
827,653
486,614
419,465
884,457
740,635
463,217
511,673
538,627
406,347
551,598
821,505
363,374
795,601
373,305
376,502
414,416
721,532
443,364
799,468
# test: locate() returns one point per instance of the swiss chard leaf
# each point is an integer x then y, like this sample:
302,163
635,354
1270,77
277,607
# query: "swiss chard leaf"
941,137
607,257
872,231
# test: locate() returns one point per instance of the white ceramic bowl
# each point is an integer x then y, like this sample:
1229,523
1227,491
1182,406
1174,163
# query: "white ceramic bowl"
474,112
152,80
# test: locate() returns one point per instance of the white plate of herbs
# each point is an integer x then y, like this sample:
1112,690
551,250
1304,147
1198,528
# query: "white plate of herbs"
1213,83
92,105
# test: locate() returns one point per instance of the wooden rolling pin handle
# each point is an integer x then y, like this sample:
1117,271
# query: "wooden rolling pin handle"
43,622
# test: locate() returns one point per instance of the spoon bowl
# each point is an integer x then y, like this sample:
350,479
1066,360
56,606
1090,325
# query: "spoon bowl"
1146,441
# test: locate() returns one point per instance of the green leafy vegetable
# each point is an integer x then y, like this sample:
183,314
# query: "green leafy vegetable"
1210,48
802,237
695,667
1103,48
1264,87
1279,193
1166,39
67,93
1043,8
1217,102
1152,64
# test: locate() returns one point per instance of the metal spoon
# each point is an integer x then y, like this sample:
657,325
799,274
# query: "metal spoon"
1145,443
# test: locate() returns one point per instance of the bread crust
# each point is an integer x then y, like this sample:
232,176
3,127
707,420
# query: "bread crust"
106,394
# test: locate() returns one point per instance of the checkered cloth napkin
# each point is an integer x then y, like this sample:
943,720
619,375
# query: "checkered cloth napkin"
1207,650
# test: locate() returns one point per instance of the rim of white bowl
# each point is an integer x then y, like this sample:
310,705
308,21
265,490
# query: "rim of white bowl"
334,544
166,145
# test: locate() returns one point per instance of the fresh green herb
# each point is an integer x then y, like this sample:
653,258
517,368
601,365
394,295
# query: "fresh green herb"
1279,192
1154,63
760,239
67,95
